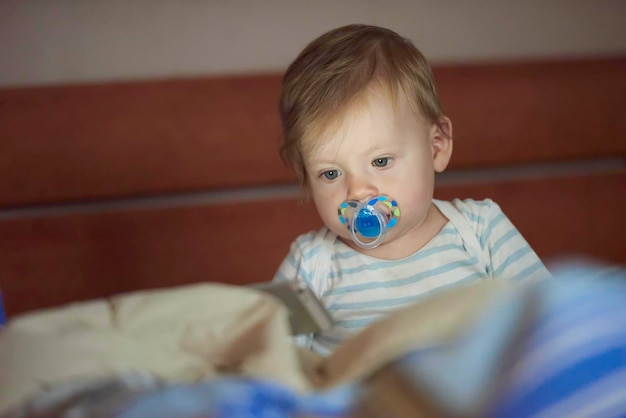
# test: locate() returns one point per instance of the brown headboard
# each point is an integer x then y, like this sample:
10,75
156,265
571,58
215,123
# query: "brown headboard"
124,186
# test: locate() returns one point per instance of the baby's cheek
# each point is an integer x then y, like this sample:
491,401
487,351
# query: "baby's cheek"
420,193
331,220
327,203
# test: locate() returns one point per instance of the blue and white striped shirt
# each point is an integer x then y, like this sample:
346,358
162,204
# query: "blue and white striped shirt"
478,242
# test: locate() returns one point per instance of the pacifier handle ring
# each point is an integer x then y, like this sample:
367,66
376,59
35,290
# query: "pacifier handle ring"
371,244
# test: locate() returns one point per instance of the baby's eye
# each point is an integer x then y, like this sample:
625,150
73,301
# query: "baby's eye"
381,162
330,174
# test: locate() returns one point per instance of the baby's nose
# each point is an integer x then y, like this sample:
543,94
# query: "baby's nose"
361,188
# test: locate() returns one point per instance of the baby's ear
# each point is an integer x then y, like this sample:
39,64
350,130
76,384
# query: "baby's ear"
441,139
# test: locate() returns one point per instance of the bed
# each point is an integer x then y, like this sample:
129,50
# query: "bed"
114,188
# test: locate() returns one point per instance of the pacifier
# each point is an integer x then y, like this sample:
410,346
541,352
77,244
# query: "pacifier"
369,221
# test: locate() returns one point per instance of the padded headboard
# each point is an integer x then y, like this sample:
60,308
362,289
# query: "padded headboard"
115,187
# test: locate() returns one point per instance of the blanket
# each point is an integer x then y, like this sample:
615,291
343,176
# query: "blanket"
489,349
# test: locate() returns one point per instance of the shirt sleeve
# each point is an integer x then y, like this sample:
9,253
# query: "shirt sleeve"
296,265
510,256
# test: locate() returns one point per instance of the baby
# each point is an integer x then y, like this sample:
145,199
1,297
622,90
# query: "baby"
365,133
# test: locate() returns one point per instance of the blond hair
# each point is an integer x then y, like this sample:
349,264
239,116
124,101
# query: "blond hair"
336,69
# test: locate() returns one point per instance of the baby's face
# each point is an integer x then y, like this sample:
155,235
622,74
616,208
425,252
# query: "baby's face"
378,149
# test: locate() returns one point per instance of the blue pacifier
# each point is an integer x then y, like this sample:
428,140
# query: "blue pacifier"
369,221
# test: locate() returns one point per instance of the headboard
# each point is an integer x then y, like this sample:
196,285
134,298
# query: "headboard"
115,187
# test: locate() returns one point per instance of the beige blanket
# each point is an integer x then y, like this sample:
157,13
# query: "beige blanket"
192,333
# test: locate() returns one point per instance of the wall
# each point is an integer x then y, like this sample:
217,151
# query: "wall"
61,41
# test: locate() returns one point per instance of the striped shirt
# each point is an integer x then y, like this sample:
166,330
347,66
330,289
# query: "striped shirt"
478,242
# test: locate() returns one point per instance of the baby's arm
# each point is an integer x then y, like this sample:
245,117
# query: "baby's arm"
294,267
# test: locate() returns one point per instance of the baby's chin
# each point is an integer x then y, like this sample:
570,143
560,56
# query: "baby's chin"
350,243
342,233
346,238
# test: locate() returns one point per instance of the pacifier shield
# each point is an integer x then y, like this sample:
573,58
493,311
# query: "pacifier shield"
369,221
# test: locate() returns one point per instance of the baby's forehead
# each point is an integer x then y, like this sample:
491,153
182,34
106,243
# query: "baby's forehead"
325,137
372,112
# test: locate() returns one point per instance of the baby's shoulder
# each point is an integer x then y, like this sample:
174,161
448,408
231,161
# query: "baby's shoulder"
477,211
314,239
